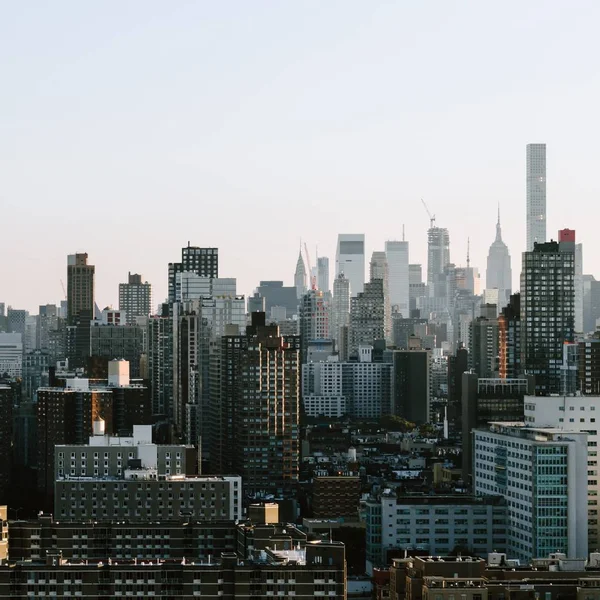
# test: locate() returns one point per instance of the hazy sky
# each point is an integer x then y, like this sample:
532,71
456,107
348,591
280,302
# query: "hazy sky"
129,128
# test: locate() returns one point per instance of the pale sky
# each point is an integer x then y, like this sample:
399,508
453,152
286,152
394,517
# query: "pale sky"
129,128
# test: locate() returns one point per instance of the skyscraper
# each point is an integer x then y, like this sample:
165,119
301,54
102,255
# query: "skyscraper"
399,279
300,276
379,269
80,288
323,273
536,194
202,261
350,260
135,298
340,314
499,273
547,309
255,410
367,316
313,319
438,254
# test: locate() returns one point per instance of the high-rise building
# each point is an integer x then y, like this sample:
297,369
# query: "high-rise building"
484,400
80,289
536,195
379,269
340,313
579,285
549,469
313,319
350,260
483,342
160,362
47,321
323,274
415,274
589,366
11,354
6,423
276,294
438,254
499,273
367,315
547,309
300,276
17,320
573,413
135,298
399,277
509,339
255,410
202,261
411,388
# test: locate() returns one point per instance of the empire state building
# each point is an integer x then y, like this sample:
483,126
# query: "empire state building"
499,273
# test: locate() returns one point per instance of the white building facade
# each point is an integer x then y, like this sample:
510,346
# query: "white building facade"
11,354
397,259
573,413
542,474
536,194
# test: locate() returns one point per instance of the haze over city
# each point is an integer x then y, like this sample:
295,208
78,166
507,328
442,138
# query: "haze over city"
129,129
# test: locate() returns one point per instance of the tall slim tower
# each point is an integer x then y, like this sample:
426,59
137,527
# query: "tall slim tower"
536,194
438,253
350,260
340,314
300,277
323,273
499,273
399,280
547,309
80,288
379,269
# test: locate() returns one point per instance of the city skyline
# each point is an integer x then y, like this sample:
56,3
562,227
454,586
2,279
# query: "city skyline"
118,154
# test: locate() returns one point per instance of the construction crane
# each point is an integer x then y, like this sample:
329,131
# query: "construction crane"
431,217
63,288
313,279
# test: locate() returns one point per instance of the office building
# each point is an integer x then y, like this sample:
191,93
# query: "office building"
542,474
11,354
201,261
589,366
135,298
536,195
367,315
17,320
35,373
509,339
399,278
483,343
434,524
323,274
47,323
350,260
116,340
485,400
255,409
573,413
499,273
547,309
276,294
378,269
313,319
300,277
340,314
361,390
411,385
438,255
458,363
80,289
160,362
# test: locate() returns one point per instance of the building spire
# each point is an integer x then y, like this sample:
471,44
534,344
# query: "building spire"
498,228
